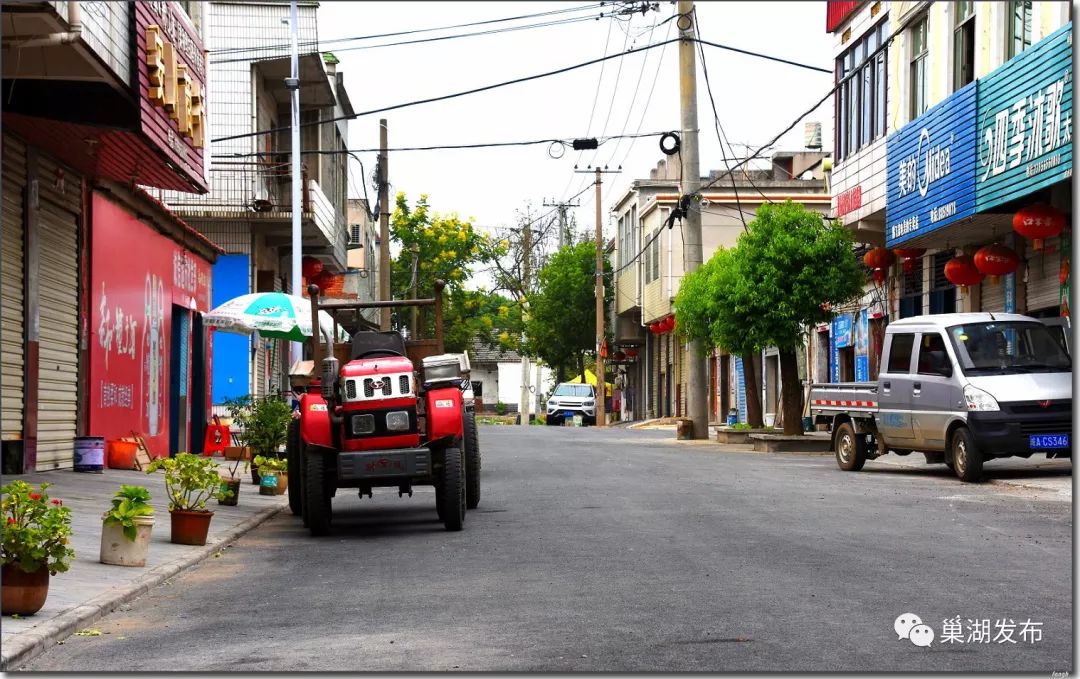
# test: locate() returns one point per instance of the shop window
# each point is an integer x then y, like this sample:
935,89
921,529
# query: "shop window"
963,44
846,357
1017,27
860,100
900,353
942,292
911,291
920,84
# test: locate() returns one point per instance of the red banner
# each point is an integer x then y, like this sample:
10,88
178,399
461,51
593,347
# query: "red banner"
138,277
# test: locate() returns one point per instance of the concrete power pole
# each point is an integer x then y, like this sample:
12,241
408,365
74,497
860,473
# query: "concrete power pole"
293,85
526,269
697,386
601,383
564,233
384,227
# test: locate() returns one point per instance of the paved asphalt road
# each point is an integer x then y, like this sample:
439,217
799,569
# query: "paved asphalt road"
618,550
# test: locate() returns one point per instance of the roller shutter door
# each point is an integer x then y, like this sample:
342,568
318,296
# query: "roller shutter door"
1043,288
12,343
993,295
58,280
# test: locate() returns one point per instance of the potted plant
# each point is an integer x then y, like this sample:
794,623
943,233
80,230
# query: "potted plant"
274,475
190,480
266,429
125,529
36,534
229,493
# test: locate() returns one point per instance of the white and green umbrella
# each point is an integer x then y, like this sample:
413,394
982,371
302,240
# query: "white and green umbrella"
271,314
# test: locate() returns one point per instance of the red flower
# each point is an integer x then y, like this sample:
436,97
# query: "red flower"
10,520
35,496
57,502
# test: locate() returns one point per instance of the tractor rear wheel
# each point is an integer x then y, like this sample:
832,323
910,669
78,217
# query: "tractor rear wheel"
316,496
472,462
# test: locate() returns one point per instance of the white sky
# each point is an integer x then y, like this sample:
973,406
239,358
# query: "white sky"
756,98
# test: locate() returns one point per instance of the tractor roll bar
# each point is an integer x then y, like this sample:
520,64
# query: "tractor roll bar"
316,306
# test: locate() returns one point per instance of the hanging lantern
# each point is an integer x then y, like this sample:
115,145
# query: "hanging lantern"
879,276
654,328
1037,223
668,323
996,261
311,267
961,271
879,258
672,324
619,356
908,256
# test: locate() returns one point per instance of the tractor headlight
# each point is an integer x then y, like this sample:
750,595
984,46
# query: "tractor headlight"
397,420
362,424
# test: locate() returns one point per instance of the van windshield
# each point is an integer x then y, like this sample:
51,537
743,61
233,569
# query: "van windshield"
579,390
1003,348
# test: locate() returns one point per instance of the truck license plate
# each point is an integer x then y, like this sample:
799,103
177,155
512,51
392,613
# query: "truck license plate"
568,413
1047,441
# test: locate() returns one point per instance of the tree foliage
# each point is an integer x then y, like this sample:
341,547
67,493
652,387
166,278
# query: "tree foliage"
561,324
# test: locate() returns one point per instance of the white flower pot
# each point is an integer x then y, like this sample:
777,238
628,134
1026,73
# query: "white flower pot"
117,550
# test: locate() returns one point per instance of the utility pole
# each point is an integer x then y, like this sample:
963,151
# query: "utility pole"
526,270
697,396
384,227
564,234
292,83
413,329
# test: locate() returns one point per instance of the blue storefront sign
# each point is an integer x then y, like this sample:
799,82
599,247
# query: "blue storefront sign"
841,330
862,347
740,389
931,169
1025,122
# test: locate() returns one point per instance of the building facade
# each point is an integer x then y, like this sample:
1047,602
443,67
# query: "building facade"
100,99
651,371
248,208
953,124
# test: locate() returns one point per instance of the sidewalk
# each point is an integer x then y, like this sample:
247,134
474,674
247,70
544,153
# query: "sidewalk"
90,589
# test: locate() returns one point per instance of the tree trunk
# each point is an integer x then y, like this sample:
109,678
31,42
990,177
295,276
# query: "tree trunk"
791,394
581,366
560,374
753,391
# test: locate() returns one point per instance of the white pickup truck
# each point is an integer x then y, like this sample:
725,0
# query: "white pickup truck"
961,389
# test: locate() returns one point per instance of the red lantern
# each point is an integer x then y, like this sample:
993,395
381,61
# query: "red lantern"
324,279
1037,223
668,324
996,261
879,276
654,328
879,258
311,267
908,256
962,271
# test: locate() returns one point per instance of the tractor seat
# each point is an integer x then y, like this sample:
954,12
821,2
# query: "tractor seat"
367,340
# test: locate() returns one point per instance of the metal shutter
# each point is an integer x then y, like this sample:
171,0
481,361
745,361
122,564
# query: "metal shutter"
1043,288
993,295
12,357
58,366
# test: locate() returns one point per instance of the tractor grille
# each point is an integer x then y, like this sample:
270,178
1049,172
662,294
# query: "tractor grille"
403,384
379,386
368,391
350,389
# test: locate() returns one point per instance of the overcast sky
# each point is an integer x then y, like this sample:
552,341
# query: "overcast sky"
755,98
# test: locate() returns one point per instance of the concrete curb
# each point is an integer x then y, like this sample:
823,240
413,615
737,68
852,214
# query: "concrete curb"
24,647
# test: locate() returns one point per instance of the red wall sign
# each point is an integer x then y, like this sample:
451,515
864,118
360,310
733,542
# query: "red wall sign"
156,122
137,276
849,201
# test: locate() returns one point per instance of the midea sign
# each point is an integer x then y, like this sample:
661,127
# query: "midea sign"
931,169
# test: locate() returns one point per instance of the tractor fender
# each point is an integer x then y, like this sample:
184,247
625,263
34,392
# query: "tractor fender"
315,421
444,413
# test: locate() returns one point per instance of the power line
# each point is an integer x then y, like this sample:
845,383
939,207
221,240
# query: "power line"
444,97
614,92
633,97
763,56
648,98
317,43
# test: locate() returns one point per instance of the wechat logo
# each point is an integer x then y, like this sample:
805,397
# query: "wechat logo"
910,626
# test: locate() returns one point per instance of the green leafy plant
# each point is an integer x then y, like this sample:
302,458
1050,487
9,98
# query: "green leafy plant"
37,529
267,426
128,503
500,408
190,480
240,414
270,464
742,426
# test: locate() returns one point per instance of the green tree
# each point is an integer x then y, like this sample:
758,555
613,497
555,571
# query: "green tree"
770,288
561,323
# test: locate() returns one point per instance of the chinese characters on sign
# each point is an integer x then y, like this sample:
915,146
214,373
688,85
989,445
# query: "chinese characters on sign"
957,630
1026,130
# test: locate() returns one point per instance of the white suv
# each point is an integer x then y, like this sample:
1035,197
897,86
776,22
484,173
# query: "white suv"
572,398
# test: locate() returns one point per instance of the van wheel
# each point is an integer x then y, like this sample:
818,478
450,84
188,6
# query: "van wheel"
967,459
850,448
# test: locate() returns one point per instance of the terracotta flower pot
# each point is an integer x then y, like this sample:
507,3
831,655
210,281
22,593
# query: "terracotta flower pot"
282,483
190,528
23,593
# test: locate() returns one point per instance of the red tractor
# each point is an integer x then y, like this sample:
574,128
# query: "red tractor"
382,412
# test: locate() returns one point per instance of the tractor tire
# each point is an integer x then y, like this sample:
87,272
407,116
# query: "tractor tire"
452,500
316,497
292,452
472,462
967,459
850,448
